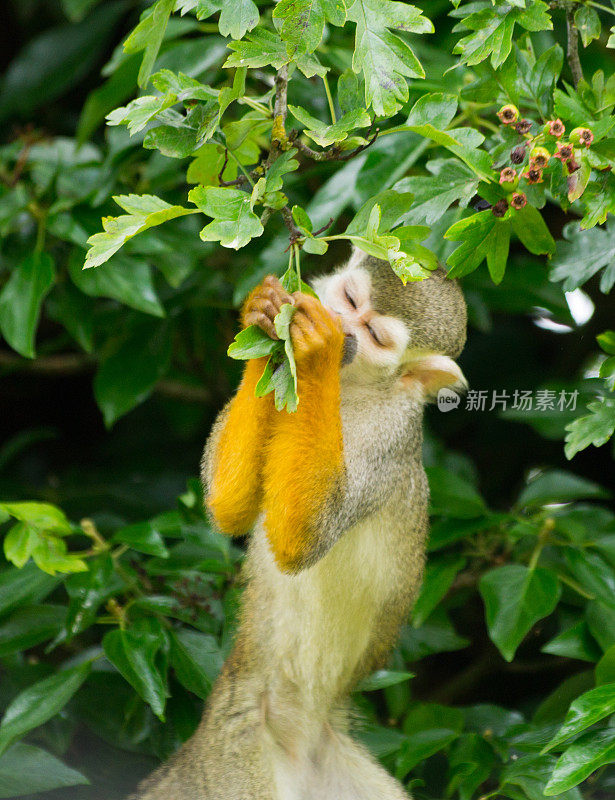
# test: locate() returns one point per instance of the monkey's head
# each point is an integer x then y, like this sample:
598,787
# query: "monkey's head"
414,330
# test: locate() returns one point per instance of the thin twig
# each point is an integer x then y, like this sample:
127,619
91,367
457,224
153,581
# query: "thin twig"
293,230
334,153
280,108
573,47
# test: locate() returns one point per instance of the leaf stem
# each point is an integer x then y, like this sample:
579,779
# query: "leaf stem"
600,7
329,99
255,105
236,160
295,247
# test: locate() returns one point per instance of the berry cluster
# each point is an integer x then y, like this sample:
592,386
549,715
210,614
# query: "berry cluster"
543,146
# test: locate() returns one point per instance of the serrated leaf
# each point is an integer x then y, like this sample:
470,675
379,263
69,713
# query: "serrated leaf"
385,59
251,342
324,134
263,48
303,22
595,428
144,211
235,224
21,300
516,597
451,181
274,180
583,254
148,36
237,17
492,30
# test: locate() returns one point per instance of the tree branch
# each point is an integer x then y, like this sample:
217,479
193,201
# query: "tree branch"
62,364
573,46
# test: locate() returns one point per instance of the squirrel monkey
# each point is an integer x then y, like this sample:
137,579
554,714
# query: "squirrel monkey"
335,497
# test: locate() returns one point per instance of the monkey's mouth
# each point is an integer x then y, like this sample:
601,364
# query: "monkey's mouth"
351,347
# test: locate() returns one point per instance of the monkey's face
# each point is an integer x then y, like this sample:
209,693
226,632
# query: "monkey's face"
373,338
413,331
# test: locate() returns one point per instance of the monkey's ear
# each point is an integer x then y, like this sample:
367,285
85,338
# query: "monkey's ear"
426,374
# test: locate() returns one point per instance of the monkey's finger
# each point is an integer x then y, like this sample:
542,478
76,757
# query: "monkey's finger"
264,306
278,297
262,321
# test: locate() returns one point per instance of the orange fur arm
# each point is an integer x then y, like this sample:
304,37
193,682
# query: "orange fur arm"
235,485
304,459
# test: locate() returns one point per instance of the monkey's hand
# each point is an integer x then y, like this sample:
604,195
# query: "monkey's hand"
317,335
263,305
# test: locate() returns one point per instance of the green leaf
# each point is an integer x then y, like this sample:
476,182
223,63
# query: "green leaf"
585,711
196,659
144,211
429,729
140,111
134,654
304,22
30,625
123,278
583,255
439,577
606,341
21,300
19,543
251,342
39,703
532,230
237,17
394,205
382,679
576,642
235,224
453,496
515,599
87,591
557,486
144,538
285,163
450,181
492,30
131,367
324,134
148,36
596,428
588,24
26,770
384,58
22,586
263,48
41,516
591,752
51,555
482,236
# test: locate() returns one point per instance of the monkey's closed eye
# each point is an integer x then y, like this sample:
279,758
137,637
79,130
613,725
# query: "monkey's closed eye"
349,298
373,334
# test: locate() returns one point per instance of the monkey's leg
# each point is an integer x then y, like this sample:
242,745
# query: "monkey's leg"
347,771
